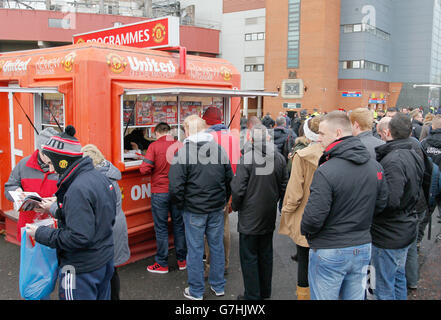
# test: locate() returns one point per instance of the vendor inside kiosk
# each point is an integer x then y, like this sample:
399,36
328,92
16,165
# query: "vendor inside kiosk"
141,112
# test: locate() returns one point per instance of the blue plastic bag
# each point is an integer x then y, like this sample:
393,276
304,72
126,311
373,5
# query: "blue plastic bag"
38,269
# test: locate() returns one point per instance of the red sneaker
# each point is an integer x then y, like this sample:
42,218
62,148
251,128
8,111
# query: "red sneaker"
157,268
182,264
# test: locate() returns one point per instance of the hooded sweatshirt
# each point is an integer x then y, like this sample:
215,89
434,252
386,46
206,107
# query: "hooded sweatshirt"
346,190
200,175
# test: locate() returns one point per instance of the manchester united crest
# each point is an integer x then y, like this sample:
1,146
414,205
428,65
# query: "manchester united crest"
63,164
68,62
159,33
226,73
116,63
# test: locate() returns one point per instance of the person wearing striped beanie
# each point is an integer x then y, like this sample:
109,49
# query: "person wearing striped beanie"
63,150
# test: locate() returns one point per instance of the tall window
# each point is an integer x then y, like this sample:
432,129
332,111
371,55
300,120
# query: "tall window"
293,33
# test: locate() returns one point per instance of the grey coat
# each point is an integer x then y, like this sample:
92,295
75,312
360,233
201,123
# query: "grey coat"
120,233
370,142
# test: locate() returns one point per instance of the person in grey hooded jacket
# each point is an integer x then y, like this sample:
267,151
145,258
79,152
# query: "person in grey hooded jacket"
362,121
120,233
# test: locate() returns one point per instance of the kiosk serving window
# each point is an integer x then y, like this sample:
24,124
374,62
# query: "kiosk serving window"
140,113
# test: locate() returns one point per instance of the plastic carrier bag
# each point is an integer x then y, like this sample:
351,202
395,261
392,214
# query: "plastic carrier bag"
38,266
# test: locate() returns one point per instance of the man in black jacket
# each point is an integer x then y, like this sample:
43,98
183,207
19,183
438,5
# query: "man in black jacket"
267,121
432,144
86,213
347,188
260,181
417,123
284,138
394,229
200,177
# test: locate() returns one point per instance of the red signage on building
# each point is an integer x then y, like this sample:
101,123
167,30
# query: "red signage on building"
352,94
156,33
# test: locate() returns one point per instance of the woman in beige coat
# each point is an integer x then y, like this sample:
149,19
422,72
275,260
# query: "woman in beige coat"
304,164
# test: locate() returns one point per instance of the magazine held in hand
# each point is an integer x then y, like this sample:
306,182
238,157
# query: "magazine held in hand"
25,201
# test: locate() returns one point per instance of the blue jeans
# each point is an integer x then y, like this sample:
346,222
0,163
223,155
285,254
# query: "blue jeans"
339,273
390,275
412,266
212,226
161,206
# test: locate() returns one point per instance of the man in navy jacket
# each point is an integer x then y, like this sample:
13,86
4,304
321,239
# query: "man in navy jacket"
86,214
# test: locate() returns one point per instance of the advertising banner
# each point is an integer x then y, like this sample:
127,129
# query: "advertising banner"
156,33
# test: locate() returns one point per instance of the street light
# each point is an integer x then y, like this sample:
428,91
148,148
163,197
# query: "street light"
427,85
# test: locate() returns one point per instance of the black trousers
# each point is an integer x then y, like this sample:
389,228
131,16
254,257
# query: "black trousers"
256,260
302,266
114,286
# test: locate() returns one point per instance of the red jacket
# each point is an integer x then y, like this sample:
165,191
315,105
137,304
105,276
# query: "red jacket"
157,162
231,145
29,176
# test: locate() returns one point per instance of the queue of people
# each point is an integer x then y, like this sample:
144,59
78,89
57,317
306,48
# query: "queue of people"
351,203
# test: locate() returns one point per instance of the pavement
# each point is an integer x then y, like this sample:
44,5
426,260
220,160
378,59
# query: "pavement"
429,285
139,284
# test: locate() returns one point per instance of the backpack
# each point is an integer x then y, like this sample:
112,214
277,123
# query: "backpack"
298,146
288,145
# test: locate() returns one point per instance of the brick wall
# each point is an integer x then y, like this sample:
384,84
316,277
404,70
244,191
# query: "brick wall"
318,56
242,5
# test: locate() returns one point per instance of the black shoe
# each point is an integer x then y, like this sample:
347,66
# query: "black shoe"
294,257
240,297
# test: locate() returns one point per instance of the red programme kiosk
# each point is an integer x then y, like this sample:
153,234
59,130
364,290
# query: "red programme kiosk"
101,89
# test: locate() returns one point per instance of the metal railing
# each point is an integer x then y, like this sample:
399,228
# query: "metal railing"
132,8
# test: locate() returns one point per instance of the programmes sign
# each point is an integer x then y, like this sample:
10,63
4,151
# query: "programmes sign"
156,33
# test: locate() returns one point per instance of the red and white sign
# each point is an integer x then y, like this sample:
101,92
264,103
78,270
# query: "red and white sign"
156,33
